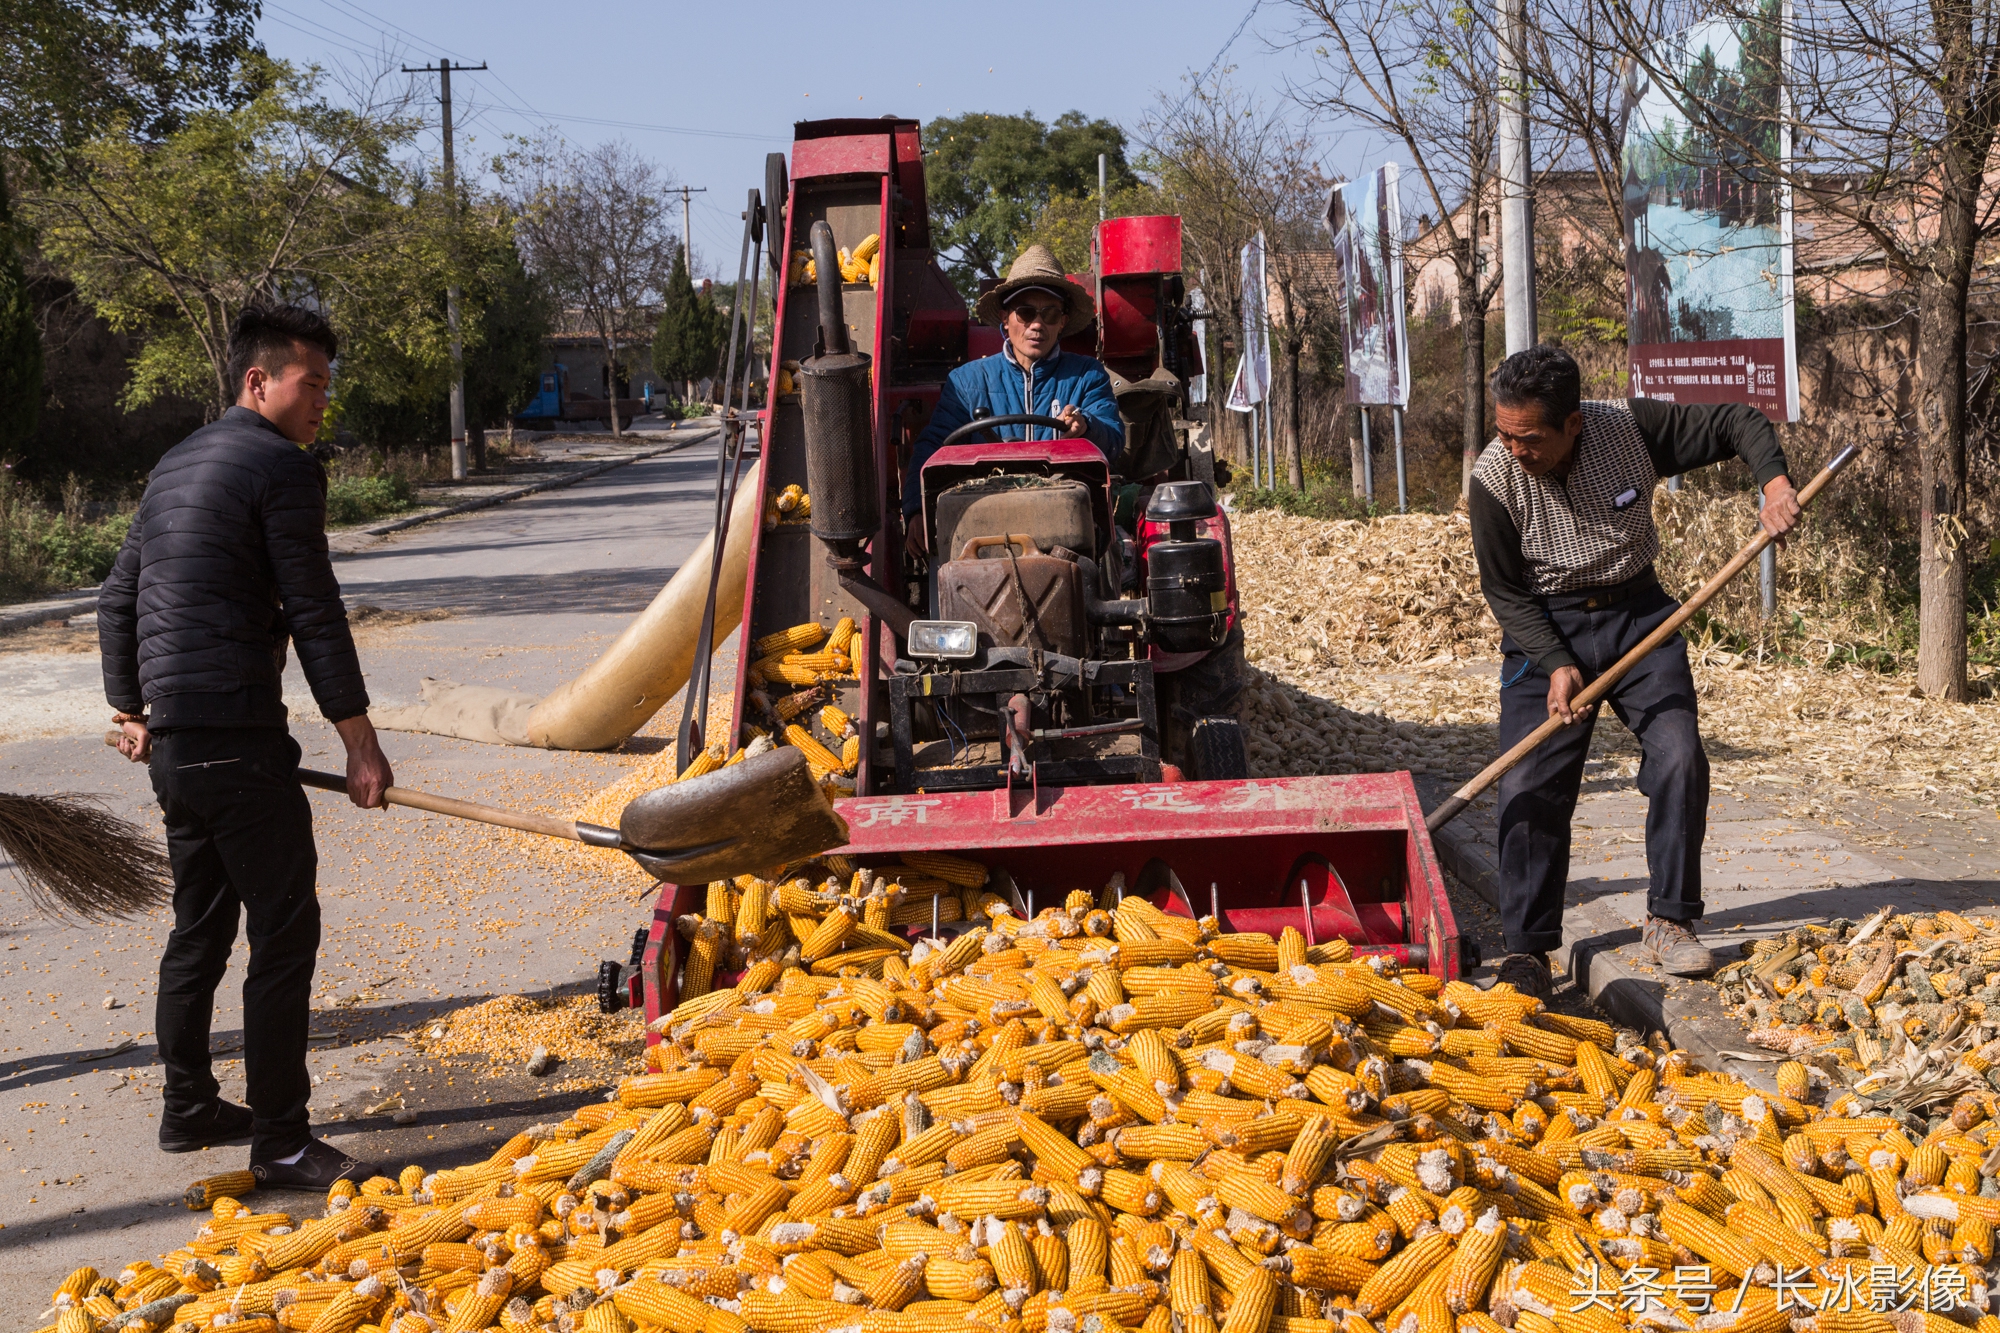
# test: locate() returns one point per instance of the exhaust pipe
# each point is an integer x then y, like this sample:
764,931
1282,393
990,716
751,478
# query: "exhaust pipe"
836,392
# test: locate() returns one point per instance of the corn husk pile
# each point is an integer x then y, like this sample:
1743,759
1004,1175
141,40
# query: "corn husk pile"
1894,997
1372,650
1106,1119
1397,591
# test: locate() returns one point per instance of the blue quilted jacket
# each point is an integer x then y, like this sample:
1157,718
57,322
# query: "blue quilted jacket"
995,385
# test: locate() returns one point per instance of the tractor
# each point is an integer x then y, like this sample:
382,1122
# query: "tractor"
1049,690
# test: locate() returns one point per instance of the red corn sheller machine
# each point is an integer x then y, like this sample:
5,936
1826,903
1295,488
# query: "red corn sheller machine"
1045,684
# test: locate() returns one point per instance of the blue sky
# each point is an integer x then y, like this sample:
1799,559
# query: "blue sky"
707,90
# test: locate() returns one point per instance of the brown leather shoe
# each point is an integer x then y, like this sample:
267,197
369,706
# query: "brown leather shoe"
1675,948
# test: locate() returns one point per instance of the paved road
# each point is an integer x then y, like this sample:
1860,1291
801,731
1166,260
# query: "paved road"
421,915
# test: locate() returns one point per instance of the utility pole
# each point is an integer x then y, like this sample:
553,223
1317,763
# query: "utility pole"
1517,208
443,70
1100,189
687,229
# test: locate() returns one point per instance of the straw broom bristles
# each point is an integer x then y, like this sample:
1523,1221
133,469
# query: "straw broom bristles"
77,859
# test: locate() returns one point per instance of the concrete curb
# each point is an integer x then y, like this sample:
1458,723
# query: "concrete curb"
1690,1015
521,492
41,613
85,599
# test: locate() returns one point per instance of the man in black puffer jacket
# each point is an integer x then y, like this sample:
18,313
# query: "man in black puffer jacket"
225,562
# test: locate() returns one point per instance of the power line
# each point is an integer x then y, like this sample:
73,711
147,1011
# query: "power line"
343,41
1195,87
350,9
558,116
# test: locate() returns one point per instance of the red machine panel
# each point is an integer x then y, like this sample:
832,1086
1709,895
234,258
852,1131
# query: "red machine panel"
1138,245
848,155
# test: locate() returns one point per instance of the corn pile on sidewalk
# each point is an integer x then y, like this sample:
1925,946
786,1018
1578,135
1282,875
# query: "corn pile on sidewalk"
1883,998
1113,1119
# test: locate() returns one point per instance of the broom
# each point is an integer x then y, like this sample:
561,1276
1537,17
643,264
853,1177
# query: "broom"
78,860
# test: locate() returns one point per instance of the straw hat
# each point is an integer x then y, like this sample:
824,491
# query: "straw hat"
1036,267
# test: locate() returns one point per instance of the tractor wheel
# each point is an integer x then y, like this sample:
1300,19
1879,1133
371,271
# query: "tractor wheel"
1216,752
1203,693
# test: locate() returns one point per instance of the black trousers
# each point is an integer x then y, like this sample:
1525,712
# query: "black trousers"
239,834
1656,699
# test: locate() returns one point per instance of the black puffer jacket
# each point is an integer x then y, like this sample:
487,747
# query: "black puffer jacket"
226,559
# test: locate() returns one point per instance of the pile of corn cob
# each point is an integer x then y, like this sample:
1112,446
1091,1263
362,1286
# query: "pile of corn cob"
863,264
1104,1119
1856,994
791,505
790,676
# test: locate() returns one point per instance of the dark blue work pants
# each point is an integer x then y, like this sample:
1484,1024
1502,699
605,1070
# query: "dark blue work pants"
1656,700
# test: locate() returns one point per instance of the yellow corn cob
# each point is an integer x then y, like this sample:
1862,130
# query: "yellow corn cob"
1474,1262
850,754
799,637
1399,1277
704,763
205,1192
1256,1300
820,760
951,869
790,706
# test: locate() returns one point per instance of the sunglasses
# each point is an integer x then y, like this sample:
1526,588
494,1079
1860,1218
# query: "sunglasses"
1038,314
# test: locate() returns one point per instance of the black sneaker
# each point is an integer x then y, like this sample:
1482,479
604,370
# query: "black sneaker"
1527,973
220,1122
317,1169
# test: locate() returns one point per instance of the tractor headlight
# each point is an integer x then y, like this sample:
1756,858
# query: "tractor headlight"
947,640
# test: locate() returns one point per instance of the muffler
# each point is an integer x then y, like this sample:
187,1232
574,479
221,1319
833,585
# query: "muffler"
836,389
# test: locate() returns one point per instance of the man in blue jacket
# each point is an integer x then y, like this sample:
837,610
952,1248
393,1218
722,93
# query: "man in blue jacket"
1029,374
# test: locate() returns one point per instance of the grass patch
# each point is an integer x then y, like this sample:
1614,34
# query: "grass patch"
1313,502
351,500
44,549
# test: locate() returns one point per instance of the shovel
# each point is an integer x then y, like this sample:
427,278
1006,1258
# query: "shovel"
753,815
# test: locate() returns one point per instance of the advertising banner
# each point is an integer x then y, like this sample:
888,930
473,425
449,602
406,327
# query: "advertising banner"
1366,219
1708,232
1253,371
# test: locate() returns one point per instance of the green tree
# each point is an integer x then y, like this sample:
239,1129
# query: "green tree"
284,197
515,315
395,367
20,343
1065,222
688,341
67,68
988,175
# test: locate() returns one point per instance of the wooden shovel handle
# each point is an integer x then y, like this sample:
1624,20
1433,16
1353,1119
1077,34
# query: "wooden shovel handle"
548,827
568,829
1597,689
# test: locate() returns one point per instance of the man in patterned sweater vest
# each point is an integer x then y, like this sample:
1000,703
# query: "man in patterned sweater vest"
1562,524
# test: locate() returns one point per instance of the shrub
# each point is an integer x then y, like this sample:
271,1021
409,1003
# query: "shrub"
359,499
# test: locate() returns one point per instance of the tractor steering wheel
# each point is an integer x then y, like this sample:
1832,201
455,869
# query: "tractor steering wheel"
971,428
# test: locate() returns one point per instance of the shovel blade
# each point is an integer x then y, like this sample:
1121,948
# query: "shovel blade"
754,815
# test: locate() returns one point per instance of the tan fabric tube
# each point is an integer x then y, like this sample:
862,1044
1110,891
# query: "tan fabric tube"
651,661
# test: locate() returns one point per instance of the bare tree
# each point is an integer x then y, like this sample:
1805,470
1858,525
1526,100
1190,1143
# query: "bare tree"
1892,108
1234,167
1420,74
1582,96
594,227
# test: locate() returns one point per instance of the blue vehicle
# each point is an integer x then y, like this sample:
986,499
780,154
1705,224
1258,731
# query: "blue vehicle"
547,405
